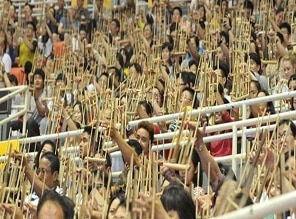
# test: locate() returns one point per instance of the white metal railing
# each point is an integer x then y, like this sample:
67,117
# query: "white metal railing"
209,110
24,91
277,204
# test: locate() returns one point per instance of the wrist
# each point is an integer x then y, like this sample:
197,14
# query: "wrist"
199,145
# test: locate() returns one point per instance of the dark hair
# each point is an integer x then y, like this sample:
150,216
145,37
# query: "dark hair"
249,5
40,72
178,9
280,35
167,45
136,145
175,197
148,107
173,27
53,147
28,67
61,77
53,196
290,123
122,201
12,78
287,26
257,84
149,127
54,161
279,10
292,103
226,36
194,99
187,77
224,67
116,21
292,78
70,206
82,110
138,67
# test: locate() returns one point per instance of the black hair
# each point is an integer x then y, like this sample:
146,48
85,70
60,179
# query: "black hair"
53,147
195,160
194,99
224,67
116,21
226,36
40,72
175,197
138,67
187,77
167,45
178,9
12,78
249,5
70,207
196,40
28,67
54,161
174,27
53,196
280,35
279,10
287,26
122,201
149,127
135,145
148,107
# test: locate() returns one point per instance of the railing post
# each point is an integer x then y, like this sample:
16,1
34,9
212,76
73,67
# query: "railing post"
234,149
244,137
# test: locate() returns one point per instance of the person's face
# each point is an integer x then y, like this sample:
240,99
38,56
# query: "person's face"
190,174
60,84
290,170
27,10
121,213
45,173
142,136
185,99
148,32
288,69
176,16
61,3
82,34
292,85
113,207
279,18
193,69
77,115
218,118
192,45
29,30
254,66
224,6
50,210
253,90
220,78
38,82
165,54
285,33
113,28
262,106
286,138
174,36
220,54
247,13
46,148
84,145
154,95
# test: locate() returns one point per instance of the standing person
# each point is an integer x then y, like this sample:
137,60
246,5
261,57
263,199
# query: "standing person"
27,45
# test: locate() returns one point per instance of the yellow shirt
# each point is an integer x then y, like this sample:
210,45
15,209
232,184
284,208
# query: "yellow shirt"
26,54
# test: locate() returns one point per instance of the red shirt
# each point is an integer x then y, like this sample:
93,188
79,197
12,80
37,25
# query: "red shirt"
223,147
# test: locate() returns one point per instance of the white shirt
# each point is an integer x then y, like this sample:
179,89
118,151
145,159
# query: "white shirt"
33,198
6,61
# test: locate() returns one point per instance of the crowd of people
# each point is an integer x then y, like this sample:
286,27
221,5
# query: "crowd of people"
98,70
